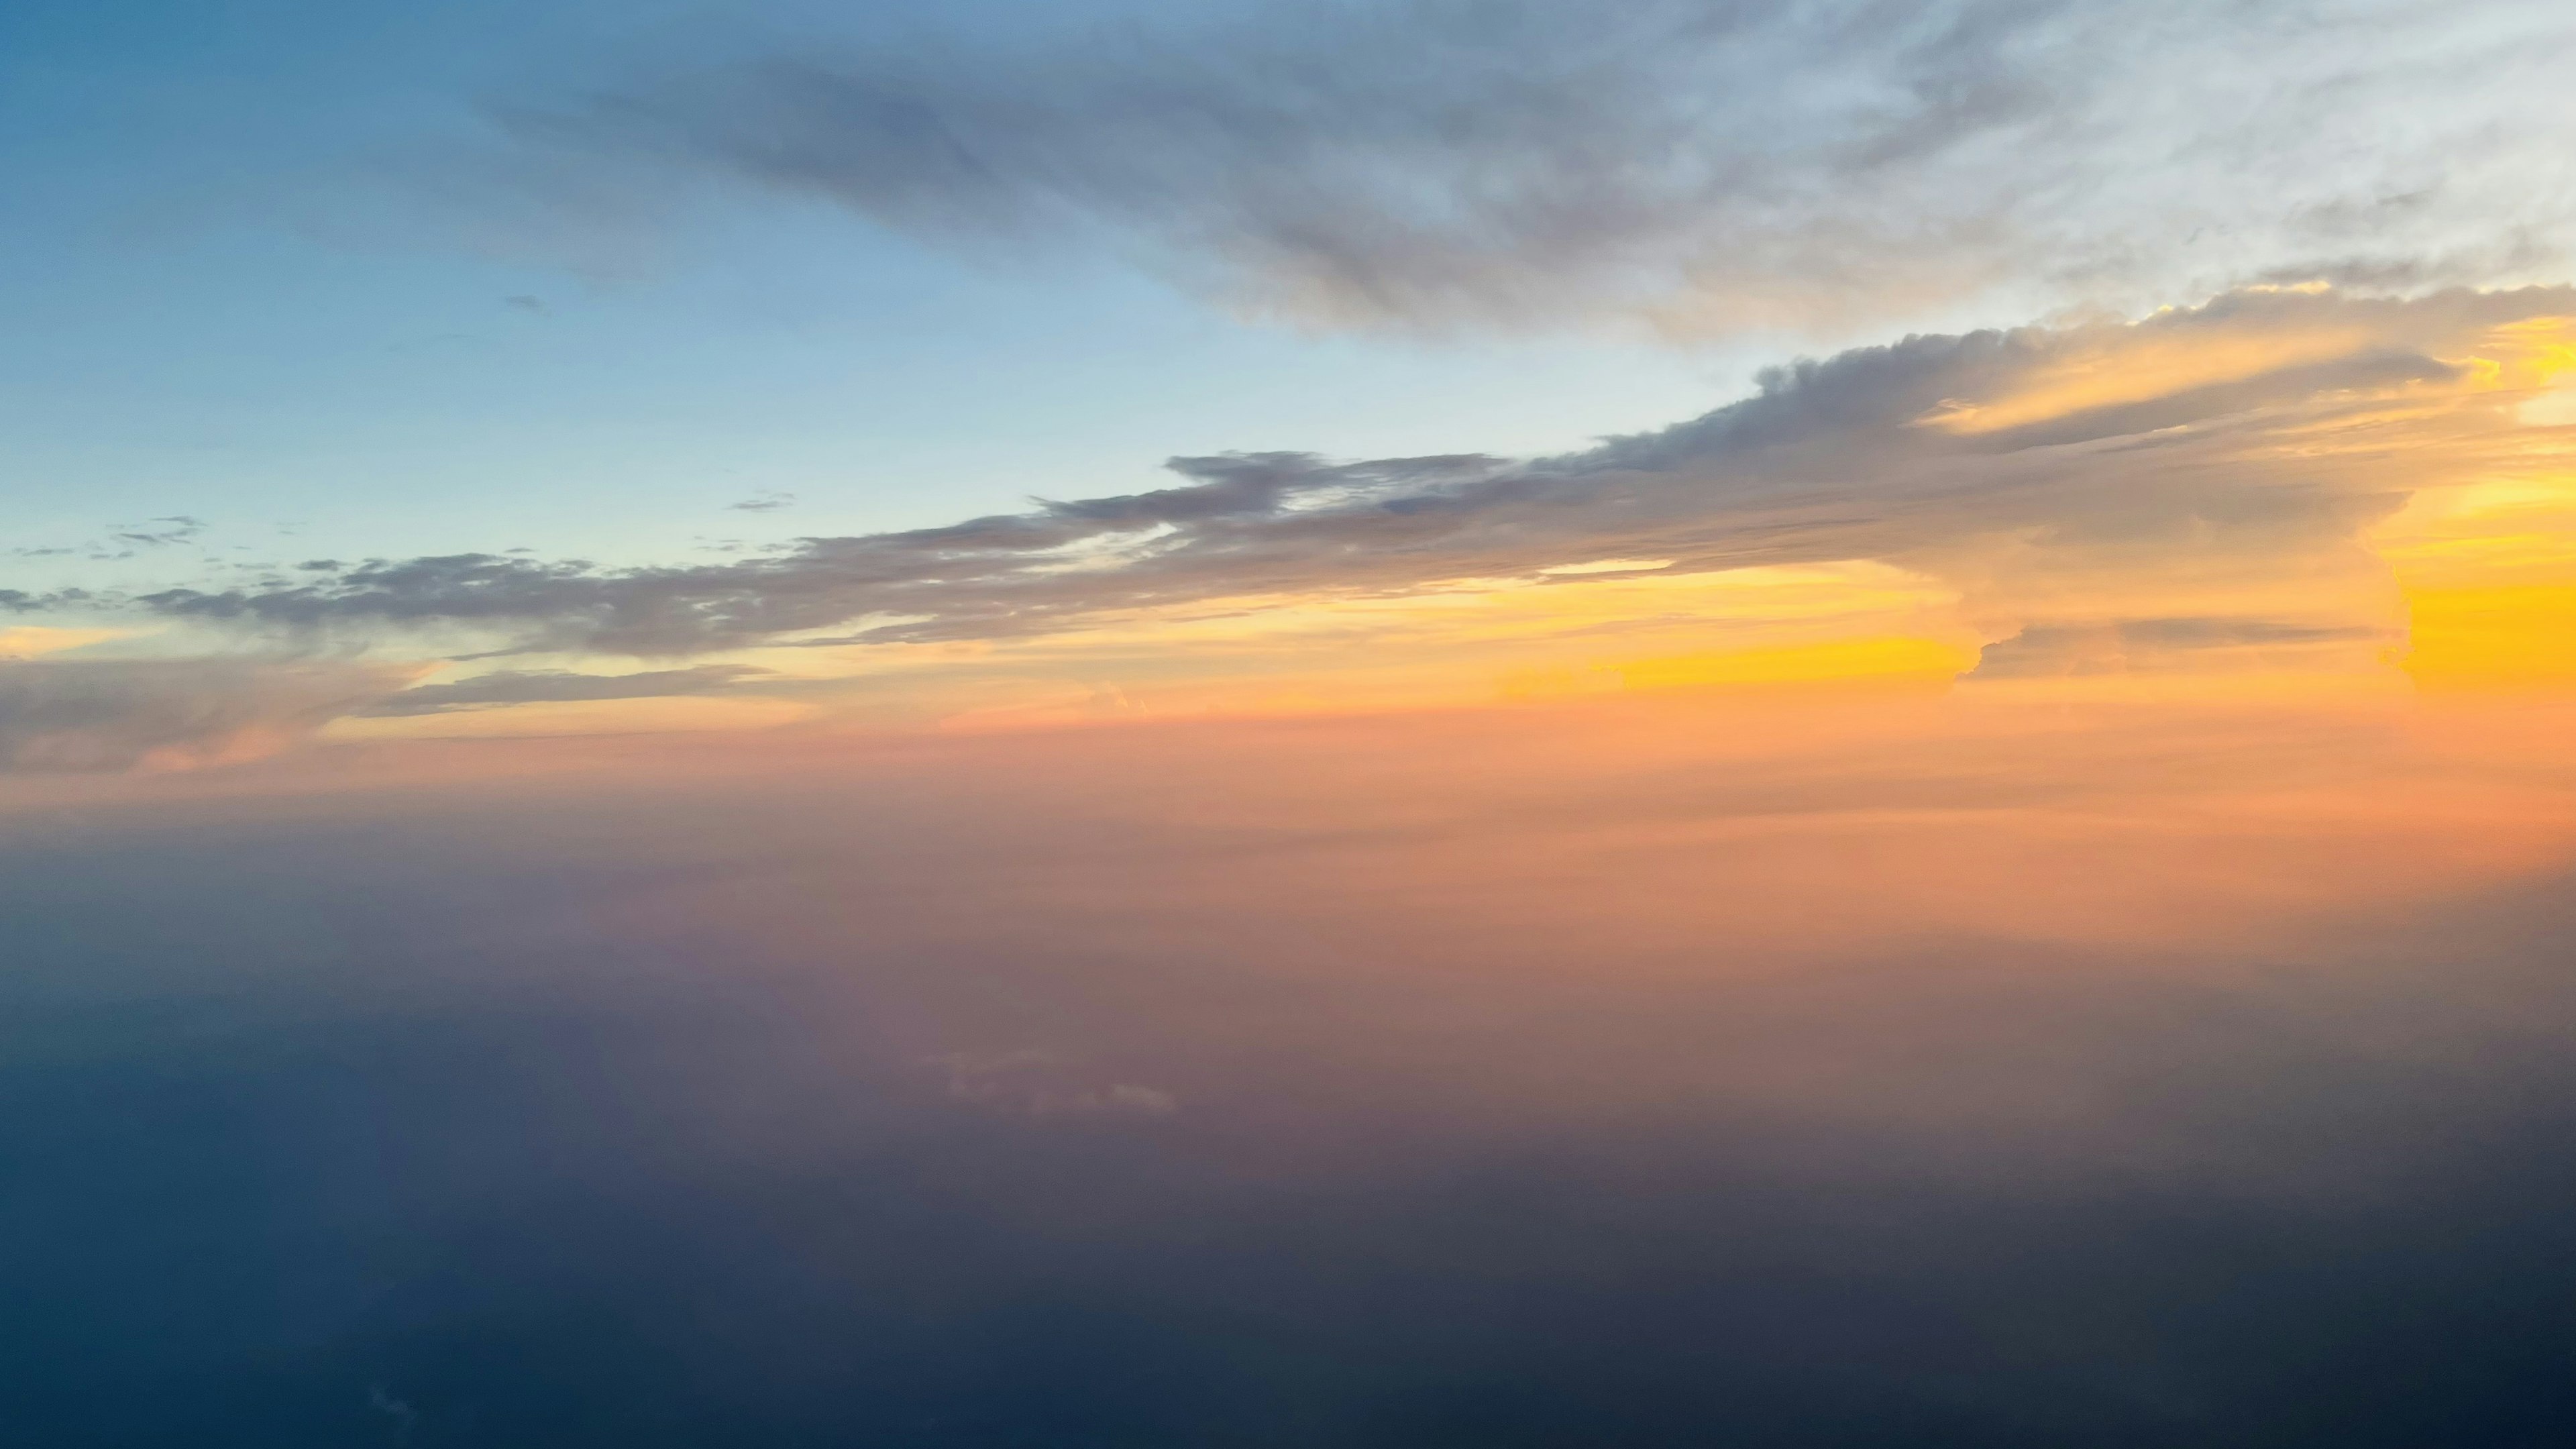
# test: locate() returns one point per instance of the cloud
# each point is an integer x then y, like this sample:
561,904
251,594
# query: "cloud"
1830,167
178,528
406,1419
549,686
1043,1085
2219,462
65,715
2127,645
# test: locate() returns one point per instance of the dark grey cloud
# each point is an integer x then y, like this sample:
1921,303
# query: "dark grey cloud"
1850,457
1714,165
547,686
118,714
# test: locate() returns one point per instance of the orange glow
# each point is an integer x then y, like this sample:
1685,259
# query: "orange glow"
27,641
2509,636
1920,660
2126,368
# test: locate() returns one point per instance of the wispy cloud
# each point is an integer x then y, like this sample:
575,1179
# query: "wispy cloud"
1832,167
162,532
120,714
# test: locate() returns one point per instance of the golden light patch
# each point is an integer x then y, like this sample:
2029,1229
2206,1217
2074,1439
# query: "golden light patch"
2489,569
2130,370
2503,637
1608,566
1882,660
26,641
2535,357
1445,646
662,715
1462,612
2533,351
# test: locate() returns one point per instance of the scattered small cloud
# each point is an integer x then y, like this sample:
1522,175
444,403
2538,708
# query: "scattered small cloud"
175,529
765,501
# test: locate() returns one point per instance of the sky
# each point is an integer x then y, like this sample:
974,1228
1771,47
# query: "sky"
1055,723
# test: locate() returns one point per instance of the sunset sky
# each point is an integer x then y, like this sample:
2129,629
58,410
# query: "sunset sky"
1444,722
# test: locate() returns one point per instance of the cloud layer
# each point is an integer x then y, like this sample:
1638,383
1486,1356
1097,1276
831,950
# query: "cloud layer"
1829,168
2203,476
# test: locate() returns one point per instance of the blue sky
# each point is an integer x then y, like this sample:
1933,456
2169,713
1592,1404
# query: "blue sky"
241,288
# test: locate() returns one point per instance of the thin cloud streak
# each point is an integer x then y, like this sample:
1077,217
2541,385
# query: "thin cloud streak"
554,686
